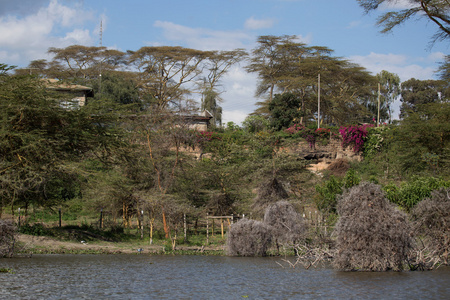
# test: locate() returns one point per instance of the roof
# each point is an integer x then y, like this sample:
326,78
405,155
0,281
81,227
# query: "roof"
63,86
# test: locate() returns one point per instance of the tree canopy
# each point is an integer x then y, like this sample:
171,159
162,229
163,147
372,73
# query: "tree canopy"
436,11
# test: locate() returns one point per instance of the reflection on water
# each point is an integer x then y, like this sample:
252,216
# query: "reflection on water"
204,277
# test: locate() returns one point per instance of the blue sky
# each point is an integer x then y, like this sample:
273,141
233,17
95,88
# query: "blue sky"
29,27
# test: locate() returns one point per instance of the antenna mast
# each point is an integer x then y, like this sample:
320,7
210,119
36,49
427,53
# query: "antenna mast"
101,60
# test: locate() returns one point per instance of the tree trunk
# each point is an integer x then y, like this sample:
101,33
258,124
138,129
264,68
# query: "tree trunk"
166,228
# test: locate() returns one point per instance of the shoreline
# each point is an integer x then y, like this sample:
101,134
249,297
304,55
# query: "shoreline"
27,245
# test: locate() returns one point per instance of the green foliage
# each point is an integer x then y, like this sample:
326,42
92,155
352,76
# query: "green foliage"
423,139
6,270
374,141
41,143
327,192
414,191
37,229
255,123
284,110
351,179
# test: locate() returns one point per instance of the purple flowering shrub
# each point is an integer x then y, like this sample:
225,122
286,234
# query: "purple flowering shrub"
354,136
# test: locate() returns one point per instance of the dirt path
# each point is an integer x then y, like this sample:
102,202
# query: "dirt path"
39,244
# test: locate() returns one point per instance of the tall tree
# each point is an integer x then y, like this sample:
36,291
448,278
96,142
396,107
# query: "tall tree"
285,66
444,69
210,102
436,11
166,72
82,62
270,60
391,89
418,92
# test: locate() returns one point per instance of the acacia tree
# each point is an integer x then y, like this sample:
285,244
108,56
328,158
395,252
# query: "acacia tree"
166,72
159,137
83,62
285,66
437,11
270,60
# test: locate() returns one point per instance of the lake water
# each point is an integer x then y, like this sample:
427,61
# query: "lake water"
204,277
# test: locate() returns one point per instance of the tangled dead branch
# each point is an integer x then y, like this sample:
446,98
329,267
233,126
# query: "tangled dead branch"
287,225
371,234
248,238
7,238
431,218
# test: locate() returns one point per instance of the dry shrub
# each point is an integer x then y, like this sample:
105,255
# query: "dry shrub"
287,225
269,191
339,167
432,221
7,238
248,238
372,234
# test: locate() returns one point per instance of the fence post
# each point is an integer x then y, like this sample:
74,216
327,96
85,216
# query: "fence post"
101,218
184,225
207,229
142,224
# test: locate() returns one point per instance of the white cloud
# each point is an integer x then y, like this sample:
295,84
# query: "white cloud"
239,100
353,24
204,39
78,36
25,38
405,67
397,4
236,116
254,24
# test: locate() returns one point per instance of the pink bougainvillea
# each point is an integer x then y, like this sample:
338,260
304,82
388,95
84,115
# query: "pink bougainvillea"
354,136
295,128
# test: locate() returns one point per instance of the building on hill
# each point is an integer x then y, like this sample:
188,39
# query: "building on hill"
200,121
77,93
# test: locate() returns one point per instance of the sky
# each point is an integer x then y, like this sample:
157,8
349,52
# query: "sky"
28,28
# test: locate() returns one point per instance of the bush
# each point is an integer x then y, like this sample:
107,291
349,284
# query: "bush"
7,238
326,194
270,191
354,136
37,229
287,225
339,167
411,193
371,234
248,238
374,140
432,220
